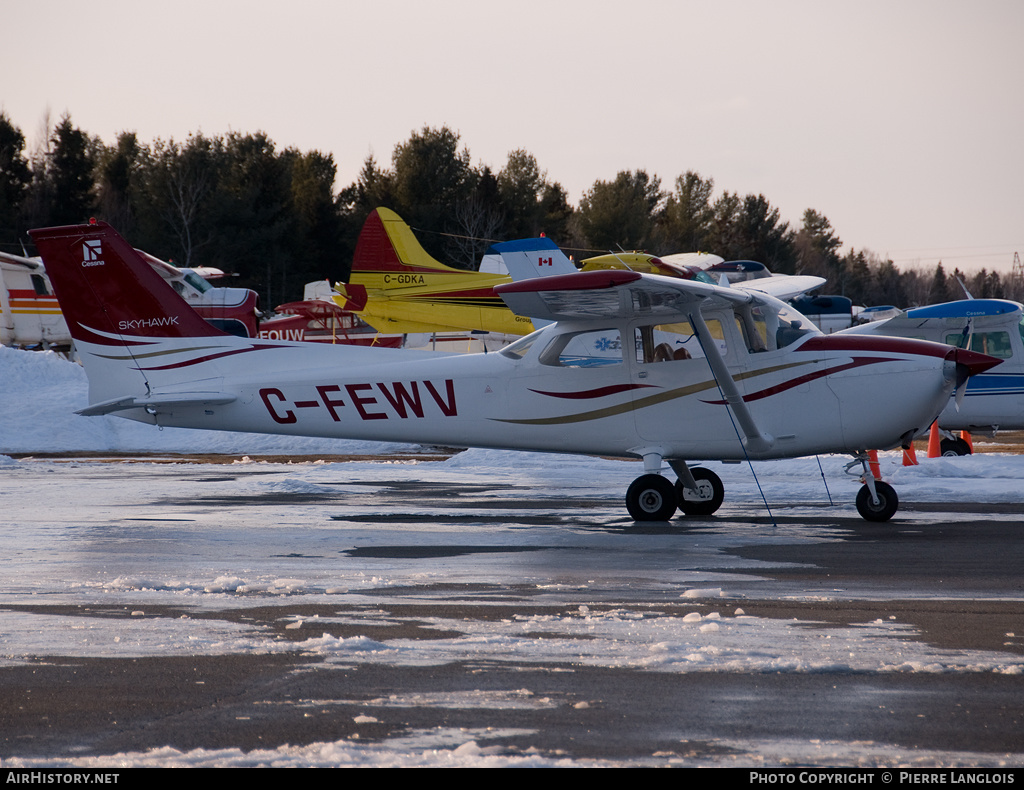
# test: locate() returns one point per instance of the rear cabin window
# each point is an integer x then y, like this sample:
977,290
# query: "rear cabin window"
592,349
39,284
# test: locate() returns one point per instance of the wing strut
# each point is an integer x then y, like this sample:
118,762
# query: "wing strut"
754,440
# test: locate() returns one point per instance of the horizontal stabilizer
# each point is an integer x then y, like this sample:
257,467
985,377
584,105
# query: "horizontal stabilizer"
155,403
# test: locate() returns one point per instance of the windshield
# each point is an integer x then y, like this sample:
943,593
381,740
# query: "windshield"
792,326
771,327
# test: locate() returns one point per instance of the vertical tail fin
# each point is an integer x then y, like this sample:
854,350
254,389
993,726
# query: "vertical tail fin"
528,258
108,293
387,256
397,287
125,320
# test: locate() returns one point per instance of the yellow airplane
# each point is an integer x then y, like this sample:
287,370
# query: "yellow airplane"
397,287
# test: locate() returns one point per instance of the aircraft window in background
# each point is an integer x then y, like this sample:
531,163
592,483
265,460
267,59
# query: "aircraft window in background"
595,348
197,282
995,344
40,285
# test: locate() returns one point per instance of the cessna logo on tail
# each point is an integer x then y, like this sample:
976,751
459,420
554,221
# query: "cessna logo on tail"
92,250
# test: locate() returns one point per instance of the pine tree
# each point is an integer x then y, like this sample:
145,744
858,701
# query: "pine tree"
71,173
15,178
621,213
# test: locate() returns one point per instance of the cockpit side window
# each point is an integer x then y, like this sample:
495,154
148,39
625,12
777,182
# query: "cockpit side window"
786,326
197,282
752,326
674,342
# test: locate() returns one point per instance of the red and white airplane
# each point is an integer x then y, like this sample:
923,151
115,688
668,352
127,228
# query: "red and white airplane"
633,365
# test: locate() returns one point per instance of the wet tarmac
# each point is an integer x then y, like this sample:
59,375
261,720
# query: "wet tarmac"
510,619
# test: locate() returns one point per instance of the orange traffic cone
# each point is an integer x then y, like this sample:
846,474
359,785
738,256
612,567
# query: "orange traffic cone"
934,446
876,470
910,456
966,436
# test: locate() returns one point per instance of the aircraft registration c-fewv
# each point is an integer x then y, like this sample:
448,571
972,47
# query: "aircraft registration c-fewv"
633,365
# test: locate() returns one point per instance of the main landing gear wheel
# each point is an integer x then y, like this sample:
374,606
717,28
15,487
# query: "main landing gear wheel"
651,498
710,493
888,502
954,447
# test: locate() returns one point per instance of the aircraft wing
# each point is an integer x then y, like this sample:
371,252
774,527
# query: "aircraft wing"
613,293
783,286
29,263
681,260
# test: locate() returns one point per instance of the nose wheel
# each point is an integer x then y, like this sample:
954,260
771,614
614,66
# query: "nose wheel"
882,506
876,501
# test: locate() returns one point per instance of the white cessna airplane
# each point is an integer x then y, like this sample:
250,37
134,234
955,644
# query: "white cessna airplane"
633,365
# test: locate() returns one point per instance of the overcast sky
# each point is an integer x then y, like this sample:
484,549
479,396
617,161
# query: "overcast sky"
899,120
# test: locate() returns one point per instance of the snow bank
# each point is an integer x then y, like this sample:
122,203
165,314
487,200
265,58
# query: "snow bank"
41,391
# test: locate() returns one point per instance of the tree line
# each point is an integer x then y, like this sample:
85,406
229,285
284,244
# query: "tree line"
272,216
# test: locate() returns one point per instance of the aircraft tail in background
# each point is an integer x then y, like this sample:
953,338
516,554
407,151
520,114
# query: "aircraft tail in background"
527,258
397,287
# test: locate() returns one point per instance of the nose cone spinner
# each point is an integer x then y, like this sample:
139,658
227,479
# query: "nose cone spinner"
971,363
